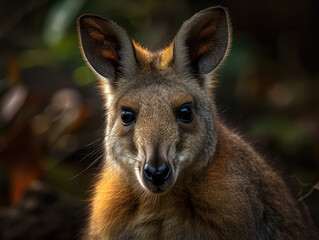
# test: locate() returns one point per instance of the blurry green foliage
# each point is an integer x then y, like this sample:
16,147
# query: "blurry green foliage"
66,49
61,177
60,16
290,136
83,76
36,57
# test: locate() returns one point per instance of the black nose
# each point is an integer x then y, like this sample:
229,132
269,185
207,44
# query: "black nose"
155,175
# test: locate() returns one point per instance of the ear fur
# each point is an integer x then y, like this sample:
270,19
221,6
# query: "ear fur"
202,43
106,48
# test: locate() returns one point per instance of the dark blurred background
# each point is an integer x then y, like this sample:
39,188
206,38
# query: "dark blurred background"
51,113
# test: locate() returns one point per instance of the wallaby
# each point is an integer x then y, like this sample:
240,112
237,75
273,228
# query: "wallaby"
172,169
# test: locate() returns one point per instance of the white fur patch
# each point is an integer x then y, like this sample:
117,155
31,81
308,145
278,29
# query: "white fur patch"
139,178
181,158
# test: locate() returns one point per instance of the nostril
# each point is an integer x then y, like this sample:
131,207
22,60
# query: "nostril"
165,170
149,171
157,175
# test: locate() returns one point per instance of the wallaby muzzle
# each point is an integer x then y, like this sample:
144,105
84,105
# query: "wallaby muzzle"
157,173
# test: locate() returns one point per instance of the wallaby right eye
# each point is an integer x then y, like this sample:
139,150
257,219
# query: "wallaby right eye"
128,116
185,113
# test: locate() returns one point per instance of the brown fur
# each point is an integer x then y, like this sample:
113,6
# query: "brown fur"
219,188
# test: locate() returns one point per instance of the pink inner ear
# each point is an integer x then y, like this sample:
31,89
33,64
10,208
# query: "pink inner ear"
108,51
207,31
106,47
92,26
96,35
204,48
204,42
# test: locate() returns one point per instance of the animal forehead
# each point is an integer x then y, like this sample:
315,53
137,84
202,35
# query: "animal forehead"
155,88
159,97
154,77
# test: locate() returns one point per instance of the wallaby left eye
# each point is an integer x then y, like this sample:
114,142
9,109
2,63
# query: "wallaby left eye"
185,113
128,116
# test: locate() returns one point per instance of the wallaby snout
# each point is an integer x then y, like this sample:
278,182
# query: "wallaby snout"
157,174
155,137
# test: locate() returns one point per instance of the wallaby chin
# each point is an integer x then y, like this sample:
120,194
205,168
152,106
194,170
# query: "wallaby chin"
172,170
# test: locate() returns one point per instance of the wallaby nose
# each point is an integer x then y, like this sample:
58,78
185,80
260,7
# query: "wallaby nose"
159,175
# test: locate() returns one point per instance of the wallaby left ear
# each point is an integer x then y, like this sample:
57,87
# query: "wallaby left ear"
106,48
203,42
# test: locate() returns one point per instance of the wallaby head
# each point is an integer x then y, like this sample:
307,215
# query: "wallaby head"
160,112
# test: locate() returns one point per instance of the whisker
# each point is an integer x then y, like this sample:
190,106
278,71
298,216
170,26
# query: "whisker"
95,151
97,140
88,167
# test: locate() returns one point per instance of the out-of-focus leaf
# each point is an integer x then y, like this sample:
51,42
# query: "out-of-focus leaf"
22,158
66,50
35,57
82,76
291,136
59,175
60,16
12,102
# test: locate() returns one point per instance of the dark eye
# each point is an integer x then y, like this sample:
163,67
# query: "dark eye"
128,116
185,113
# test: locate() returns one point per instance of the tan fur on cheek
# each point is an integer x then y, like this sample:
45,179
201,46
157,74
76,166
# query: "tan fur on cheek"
114,203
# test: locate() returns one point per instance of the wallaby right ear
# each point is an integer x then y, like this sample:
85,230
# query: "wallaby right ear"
106,48
202,43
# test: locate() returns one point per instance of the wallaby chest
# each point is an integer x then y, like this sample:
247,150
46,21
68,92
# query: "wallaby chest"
169,220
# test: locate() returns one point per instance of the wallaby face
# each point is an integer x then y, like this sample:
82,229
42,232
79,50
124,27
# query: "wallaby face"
160,123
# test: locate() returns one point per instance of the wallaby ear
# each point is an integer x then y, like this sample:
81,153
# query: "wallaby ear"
106,47
203,42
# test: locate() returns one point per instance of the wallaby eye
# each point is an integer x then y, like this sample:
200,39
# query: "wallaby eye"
185,113
128,116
